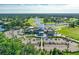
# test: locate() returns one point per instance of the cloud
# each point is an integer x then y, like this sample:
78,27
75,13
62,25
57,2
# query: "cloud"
39,8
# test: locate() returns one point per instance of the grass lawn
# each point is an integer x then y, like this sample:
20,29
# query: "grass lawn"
32,22
42,22
70,32
50,23
72,53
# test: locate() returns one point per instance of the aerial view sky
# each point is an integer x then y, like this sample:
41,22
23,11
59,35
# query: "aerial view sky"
39,8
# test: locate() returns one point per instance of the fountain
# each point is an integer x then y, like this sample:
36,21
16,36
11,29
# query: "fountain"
40,26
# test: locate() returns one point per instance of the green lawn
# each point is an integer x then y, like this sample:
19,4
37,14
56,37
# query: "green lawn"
70,32
32,22
42,22
72,53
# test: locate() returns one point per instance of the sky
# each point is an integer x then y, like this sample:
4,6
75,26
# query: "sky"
39,8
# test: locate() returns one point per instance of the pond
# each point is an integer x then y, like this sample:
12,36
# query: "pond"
1,28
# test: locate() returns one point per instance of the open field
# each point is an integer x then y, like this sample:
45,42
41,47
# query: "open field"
70,32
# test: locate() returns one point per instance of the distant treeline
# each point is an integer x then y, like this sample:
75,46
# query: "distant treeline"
45,15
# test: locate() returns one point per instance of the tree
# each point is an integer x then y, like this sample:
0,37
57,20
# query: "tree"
29,50
56,52
72,22
77,22
15,47
10,46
